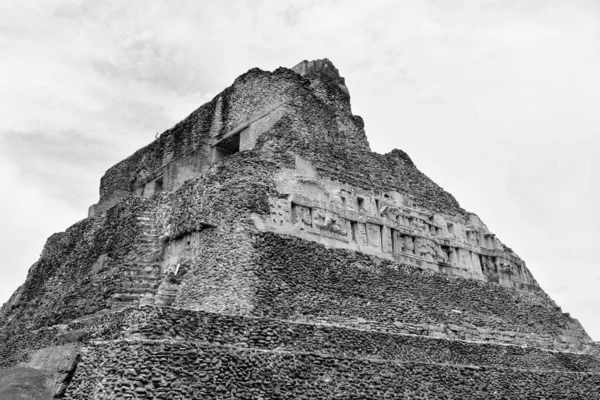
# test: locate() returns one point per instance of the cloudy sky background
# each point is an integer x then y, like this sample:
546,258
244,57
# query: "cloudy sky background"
497,101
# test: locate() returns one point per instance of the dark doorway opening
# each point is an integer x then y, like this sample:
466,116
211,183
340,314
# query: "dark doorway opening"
158,185
231,144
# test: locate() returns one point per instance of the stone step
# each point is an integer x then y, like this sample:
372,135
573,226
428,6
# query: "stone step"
149,225
154,272
135,280
119,305
124,297
148,268
143,287
141,282
133,294
310,373
144,262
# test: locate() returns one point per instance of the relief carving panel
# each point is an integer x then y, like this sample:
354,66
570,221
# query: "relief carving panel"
301,217
374,235
362,234
280,211
392,224
387,240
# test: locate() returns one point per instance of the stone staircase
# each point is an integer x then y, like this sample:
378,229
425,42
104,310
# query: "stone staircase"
142,275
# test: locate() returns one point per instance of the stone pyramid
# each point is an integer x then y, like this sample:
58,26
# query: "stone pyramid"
259,250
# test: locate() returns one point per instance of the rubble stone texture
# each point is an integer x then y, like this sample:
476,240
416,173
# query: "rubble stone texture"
260,250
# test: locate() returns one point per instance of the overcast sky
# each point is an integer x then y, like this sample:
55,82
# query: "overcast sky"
496,101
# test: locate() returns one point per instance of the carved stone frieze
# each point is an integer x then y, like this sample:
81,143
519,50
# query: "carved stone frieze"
374,235
280,211
388,246
389,224
362,234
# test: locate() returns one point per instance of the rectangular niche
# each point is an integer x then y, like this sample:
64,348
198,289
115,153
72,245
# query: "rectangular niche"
153,187
361,203
158,185
228,145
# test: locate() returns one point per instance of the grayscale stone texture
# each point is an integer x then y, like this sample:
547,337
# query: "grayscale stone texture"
259,250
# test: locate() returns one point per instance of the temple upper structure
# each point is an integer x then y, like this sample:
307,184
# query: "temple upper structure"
387,218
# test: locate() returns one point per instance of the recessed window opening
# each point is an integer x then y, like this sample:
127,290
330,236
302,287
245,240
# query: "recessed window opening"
361,203
230,145
158,185
450,228
343,202
377,204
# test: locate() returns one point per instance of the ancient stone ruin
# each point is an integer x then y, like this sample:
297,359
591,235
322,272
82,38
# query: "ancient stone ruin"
259,250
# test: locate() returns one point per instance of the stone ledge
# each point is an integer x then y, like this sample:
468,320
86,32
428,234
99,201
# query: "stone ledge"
205,345
409,342
172,369
166,323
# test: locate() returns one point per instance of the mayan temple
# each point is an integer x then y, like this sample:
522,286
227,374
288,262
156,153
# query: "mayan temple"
259,250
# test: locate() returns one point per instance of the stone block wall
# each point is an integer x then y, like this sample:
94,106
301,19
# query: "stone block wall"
333,142
283,277
309,116
227,194
182,370
80,269
19,347
187,167
254,92
387,224
239,270
16,348
158,352
300,278
251,93
153,323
